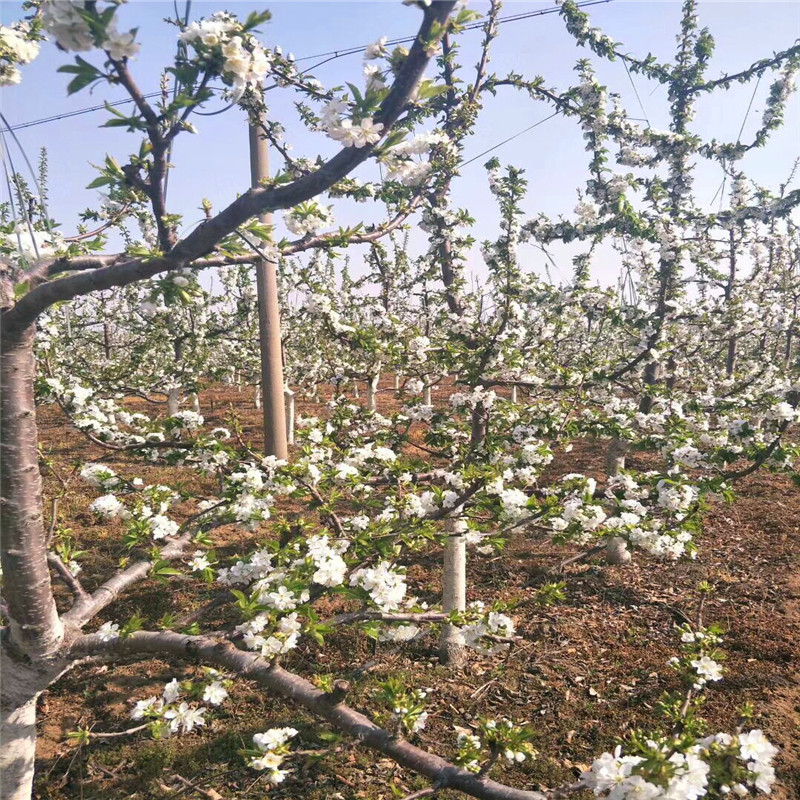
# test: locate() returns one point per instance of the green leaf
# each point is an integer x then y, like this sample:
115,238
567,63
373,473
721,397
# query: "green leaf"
85,74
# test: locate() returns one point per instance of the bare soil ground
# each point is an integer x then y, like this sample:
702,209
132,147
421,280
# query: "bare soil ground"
584,672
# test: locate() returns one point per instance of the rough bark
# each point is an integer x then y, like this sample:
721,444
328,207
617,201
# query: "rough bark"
18,750
34,633
34,627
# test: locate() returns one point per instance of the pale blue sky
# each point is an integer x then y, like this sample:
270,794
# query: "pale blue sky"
214,164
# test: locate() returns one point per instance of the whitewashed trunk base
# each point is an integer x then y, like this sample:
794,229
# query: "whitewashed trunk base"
372,392
452,650
173,402
18,751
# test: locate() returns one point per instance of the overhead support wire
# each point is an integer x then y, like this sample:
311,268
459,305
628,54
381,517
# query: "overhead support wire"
331,55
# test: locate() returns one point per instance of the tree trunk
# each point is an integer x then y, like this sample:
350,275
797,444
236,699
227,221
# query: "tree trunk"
372,392
34,625
454,596
173,401
730,358
355,390
397,381
35,632
616,551
195,401
513,394
289,400
426,393
615,456
22,684
257,396
18,751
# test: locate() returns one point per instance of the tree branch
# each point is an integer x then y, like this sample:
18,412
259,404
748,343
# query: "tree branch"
72,583
202,240
293,687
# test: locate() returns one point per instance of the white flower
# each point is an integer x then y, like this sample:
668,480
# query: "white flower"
20,48
199,562
143,706
754,746
708,669
120,46
172,691
161,526
363,133
108,631
63,22
387,587
269,761
185,717
9,75
273,738
215,693
99,476
107,506
376,49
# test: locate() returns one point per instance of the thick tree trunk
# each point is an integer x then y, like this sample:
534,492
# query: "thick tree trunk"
22,683
17,748
454,596
34,632
34,626
173,401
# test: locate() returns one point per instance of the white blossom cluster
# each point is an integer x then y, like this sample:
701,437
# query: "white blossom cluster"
170,714
245,62
308,218
64,21
686,774
18,45
272,749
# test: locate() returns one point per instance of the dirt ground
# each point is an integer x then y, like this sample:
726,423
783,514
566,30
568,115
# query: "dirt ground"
584,672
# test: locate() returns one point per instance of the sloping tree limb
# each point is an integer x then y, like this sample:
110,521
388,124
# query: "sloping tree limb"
251,666
202,240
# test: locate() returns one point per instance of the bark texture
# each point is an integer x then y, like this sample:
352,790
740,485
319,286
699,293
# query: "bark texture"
34,626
